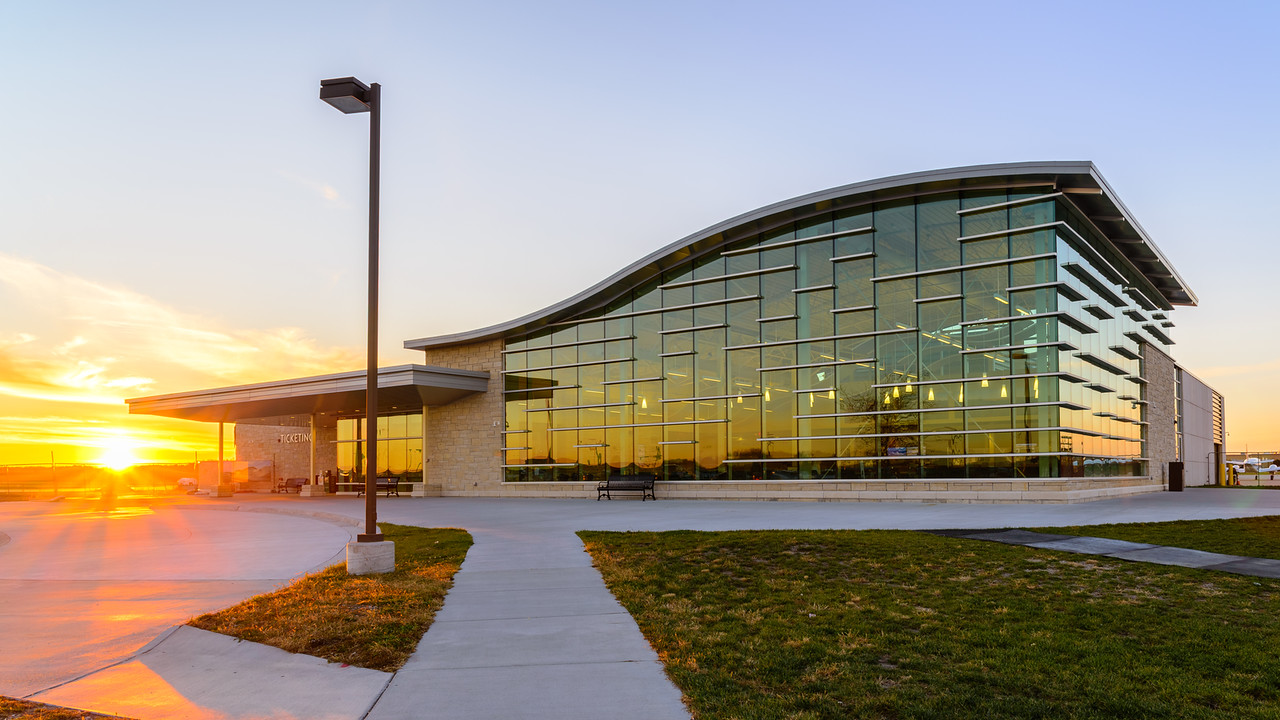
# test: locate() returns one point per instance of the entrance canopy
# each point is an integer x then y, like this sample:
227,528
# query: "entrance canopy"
292,402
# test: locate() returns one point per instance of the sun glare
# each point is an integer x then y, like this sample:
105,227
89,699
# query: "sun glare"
118,455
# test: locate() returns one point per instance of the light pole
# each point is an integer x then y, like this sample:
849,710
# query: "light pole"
352,96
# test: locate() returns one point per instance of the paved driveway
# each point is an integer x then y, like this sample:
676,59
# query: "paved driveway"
83,587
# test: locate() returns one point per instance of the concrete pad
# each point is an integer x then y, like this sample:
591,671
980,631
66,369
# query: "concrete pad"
58,630
371,558
1258,567
531,641
1091,545
1161,555
193,673
618,691
537,579
534,603
1017,537
84,587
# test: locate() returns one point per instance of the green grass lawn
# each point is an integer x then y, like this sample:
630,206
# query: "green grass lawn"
372,621
1251,537
896,624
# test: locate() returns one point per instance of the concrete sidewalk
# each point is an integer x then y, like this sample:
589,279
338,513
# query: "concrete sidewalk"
529,630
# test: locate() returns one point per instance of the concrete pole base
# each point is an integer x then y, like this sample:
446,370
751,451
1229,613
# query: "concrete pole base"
312,491
223,490
371,558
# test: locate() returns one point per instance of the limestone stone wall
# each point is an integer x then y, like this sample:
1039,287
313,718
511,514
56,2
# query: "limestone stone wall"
288,447
464,438
1161,376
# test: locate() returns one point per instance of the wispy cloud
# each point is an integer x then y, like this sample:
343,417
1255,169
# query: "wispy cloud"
324,190
72,340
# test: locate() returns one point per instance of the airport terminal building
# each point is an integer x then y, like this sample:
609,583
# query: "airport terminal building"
994,333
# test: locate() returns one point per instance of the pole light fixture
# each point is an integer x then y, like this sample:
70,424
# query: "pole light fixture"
352,96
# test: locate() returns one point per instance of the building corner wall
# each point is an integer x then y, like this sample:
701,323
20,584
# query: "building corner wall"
464,438
1161,373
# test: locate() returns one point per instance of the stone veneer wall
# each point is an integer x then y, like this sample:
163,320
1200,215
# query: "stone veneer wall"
285,445
464,438
1162,409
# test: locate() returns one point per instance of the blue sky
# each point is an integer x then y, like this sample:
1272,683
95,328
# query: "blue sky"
179,210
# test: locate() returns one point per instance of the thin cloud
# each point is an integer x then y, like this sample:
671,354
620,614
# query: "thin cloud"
324,190
120,343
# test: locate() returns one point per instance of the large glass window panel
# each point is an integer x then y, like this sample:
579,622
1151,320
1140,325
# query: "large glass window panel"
710,449
986,221
677,342
778,356
1032,272
707,267
856,348
816,318
743,328
896,358
708,315
937,228
895,304
984,293
539,358
941,395
648,346
1037,213
1037,242
709,363
814,259
941,340
851,323
778,330
779,403
895,240
706,292
852,219
986,335
648,449
744,428
995,248
778,300
939,285
647,401
853,388
853,278
1033,302
816,352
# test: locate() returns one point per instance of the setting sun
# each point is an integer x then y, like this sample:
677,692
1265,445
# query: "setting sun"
119,454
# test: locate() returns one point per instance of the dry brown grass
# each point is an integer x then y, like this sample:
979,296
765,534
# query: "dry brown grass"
14,709
371,621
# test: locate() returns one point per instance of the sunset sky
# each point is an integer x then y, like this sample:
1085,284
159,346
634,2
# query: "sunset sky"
179,210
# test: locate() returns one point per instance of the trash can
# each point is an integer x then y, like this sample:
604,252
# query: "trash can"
329,482
1176,472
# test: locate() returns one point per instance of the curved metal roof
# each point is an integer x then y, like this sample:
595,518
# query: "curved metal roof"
1079,181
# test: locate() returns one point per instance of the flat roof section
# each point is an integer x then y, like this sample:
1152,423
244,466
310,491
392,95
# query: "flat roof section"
406,387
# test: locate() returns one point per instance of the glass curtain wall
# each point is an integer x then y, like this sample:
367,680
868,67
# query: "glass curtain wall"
399,449
972,334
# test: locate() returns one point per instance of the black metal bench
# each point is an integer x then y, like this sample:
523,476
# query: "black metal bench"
642,484
290,485
391,486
